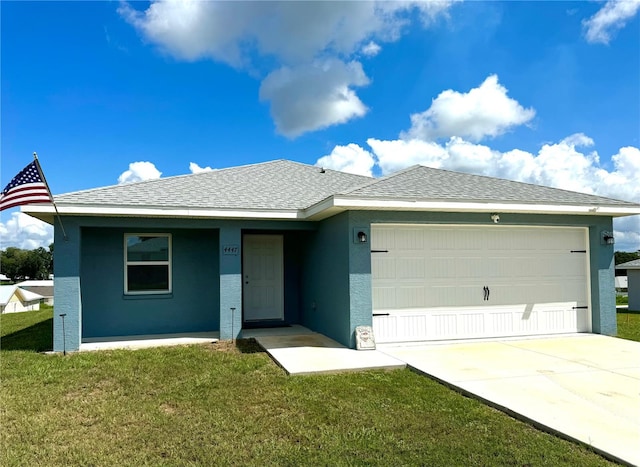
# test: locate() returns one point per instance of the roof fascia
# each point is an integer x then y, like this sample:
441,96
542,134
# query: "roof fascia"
329,207
47,212
457,206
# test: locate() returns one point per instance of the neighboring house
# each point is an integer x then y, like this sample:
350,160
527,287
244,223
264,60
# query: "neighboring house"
43,287
621,282
422,254
14,299
633,282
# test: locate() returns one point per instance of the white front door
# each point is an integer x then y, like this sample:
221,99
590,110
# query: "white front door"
263,279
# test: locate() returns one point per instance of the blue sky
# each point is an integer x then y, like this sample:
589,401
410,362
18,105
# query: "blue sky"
109,92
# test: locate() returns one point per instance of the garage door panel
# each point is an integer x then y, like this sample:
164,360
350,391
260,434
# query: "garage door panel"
431,281
502,322
553,319
439,324
451,295
383,239
385,268
409,239
450,239
470,324
468,267
410,268
384,298
410,296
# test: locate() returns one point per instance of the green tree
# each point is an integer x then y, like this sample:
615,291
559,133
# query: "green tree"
625,256
18,264
10,262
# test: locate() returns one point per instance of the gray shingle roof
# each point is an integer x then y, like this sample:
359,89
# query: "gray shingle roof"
424,183
283,185
276,185
633,264
45,291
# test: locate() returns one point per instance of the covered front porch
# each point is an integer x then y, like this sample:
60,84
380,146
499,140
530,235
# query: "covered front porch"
221,278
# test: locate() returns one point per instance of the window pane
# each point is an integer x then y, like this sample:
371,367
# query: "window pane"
147,248
147,278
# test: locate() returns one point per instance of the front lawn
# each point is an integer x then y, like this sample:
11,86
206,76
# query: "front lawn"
220,404
629,325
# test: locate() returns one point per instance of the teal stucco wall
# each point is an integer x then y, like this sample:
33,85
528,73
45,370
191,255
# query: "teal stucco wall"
192,305
327,273
326,286
89,278
67,317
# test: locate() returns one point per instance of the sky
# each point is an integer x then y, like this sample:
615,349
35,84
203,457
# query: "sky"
543,92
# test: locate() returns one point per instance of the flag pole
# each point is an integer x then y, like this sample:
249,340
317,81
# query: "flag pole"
35,156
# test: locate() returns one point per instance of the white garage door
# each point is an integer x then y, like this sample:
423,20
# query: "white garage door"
457,282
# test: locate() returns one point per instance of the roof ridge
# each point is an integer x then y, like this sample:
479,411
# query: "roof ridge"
375,180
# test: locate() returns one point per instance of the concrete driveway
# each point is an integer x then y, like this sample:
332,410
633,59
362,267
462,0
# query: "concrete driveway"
585,387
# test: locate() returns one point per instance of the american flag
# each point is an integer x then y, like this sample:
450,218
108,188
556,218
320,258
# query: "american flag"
26,188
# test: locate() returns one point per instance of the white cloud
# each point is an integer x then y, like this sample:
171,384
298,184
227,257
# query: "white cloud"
196,169
481,112
394,155
139,171
371,49
292,32
25,232
564,164
610,18
626,232
292,36
314,96
351,159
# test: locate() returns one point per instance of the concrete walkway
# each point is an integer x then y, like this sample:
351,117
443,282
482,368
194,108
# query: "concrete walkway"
584,387
147,341
300,351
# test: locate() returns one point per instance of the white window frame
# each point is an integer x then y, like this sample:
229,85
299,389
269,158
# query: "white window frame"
128,263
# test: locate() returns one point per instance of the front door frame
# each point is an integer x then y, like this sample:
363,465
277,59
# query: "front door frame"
278,315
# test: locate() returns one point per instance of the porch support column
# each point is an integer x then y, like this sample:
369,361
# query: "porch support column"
360,291
66,289
603,292
230,282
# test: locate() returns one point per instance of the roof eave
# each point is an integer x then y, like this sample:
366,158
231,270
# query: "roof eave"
327,208
347,203
46,212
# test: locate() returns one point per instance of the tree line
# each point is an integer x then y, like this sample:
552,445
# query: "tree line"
625,256
18,264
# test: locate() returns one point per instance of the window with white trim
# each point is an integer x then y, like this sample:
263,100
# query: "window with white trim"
147,263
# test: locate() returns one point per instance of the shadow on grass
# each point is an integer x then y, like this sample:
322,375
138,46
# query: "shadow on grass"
248,346
37,338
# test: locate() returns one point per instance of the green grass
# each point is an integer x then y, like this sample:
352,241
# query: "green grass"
31,330
218,404
629,325
622,299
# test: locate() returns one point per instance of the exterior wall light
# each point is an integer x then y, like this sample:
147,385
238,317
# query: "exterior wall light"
607,238
361,235
495,218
